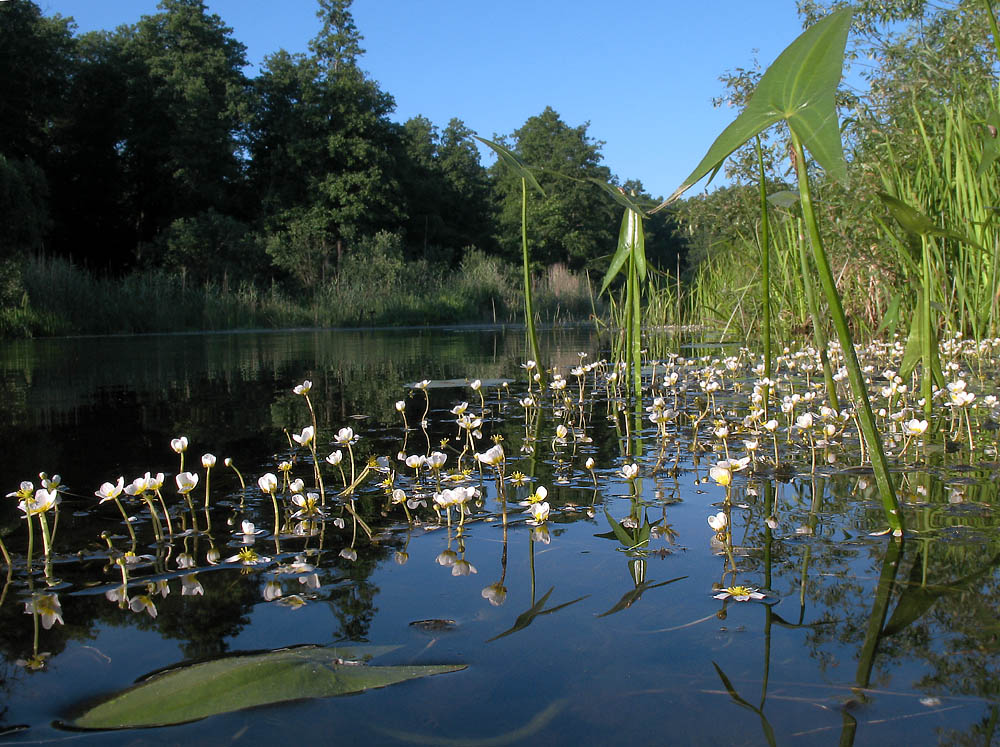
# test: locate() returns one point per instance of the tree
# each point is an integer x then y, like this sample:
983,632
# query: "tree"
186,96
575,223
36,58
322,147
445,190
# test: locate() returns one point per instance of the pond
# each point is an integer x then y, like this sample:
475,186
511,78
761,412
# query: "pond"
642,593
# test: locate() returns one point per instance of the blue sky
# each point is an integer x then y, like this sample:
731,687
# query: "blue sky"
642,75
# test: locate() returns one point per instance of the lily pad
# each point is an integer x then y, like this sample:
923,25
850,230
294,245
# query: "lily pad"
209,688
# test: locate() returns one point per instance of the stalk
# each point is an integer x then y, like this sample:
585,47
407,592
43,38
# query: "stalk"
876,453
765,269
818,332
529,311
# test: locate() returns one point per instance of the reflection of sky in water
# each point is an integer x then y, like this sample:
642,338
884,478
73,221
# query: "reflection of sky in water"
644,673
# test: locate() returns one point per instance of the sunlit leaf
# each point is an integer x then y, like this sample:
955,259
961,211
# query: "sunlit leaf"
515,163
209,688
799,87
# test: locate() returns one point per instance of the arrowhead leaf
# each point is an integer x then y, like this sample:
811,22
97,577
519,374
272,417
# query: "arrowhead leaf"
515,163
800,87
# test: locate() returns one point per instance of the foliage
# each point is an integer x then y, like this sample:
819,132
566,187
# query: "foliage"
573,224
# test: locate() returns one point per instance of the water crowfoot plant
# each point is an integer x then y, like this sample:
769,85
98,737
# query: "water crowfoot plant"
800,88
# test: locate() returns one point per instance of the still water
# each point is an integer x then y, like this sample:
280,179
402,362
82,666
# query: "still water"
600,624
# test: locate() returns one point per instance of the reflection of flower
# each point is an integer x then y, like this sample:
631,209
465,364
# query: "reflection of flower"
35,663
495,594
142,603
272,590
462,567
739,594
48,608
446,558
191,586
541,534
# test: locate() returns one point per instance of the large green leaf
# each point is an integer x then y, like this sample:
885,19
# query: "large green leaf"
800,88
196,691
508,157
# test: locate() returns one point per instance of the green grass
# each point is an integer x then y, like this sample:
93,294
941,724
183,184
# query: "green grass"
375,288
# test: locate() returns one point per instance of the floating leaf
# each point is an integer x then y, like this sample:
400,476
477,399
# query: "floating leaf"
799,87
210,688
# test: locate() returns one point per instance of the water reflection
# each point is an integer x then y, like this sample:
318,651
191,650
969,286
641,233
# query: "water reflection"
602,601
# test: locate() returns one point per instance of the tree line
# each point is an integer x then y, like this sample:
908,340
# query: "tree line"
148,146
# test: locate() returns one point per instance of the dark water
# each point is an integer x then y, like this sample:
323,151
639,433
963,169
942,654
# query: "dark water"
600,637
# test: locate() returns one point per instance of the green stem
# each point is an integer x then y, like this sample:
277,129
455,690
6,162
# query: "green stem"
876,453
765,269
529,311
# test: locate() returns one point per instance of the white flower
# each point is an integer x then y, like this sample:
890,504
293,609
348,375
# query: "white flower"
739,594
303,388
539,513
208,461
629,471
722,473
306,437
718,522
400,405
179,445
186,482
109,492
335,457
268,483
344,436
492,456
589,464
915,427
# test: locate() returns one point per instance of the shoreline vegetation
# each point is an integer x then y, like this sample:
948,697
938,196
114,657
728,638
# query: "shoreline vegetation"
481,290
132,214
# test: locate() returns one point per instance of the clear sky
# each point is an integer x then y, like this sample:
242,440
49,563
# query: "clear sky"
642,74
